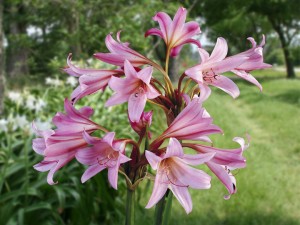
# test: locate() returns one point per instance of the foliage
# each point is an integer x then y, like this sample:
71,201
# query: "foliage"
49,30
25,198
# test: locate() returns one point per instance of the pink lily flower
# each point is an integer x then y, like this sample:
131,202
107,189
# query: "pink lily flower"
192,123
90,80
144,122
254,62
134,88
211,66
59,146
104,153
119,52
175,33
174,173
223,162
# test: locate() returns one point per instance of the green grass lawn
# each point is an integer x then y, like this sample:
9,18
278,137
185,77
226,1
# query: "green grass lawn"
269,187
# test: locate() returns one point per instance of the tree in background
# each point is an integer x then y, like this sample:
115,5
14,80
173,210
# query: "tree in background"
1,59
284,17
41,32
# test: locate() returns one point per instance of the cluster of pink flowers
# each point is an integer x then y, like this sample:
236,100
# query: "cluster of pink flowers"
187,121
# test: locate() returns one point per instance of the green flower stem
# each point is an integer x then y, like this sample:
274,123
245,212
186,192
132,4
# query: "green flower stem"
168,208
163,209
130,212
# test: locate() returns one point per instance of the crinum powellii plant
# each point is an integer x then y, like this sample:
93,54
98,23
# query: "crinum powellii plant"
187,121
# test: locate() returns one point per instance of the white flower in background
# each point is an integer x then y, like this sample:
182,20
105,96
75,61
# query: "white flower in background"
39,105
57,82
48,80
30,102
72,81
89,61
53,82
19,122
43,125
3,125
15,96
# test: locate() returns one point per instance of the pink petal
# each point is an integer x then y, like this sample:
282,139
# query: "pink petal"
39,145
220,51
117,98
86,111
62,147
228,157
223,176
174,149
112,45
205,92
41,133
52,171
152,92
145,74
176,50
129,70
242,142
90,139
113,176
153,159
263,41
204,55
195,73
136,105
164,23
226,65
248,77
91,171
158,192
44,166
123,158
197,159
253,42
76,94
178,21
87,156
109,137
118,84
154,31
186,98
226,85
190,176
189,30
112,58
183,196
80,71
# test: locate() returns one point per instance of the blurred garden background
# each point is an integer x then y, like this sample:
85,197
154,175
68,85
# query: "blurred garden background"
36,37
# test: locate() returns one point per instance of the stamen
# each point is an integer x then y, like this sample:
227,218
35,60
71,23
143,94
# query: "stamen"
209,75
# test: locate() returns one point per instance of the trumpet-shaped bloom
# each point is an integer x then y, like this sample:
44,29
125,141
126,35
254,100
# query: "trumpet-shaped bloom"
59,146
211,66
104,153
173,172
192,123
134,88
175,33
145,121
254,62
119,52
90,80
223,162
